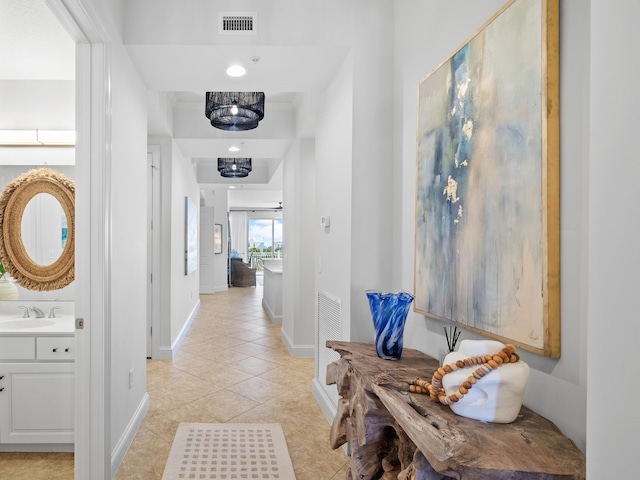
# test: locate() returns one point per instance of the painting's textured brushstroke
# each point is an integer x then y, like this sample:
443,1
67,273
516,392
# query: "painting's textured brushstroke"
479,258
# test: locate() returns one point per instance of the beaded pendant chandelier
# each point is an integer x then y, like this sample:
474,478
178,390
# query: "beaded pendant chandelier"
234,167
234,111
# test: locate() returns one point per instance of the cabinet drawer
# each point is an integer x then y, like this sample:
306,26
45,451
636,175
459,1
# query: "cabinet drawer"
56,348
17,348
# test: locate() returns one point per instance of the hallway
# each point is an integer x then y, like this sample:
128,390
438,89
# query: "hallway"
232,368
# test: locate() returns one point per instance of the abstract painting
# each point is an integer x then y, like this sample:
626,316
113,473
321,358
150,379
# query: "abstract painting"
190,236
217,238
487,193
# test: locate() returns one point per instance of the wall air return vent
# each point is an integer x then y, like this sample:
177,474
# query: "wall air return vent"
328,326
238,23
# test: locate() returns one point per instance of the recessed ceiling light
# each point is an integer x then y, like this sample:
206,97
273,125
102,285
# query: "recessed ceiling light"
236,71
234,149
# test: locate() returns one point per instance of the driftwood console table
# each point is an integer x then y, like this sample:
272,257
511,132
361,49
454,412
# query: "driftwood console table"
394,434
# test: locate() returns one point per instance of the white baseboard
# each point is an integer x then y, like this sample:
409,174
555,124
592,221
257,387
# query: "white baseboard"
272,315
327,405
297,351
121,448
37,447
164,353
185,328
220,288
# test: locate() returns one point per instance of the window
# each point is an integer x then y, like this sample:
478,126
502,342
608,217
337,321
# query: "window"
265,240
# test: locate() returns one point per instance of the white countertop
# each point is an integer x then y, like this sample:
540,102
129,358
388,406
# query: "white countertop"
274,265
274,268
12,322
64,325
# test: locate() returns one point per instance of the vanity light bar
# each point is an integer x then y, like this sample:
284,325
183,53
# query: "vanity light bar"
37,138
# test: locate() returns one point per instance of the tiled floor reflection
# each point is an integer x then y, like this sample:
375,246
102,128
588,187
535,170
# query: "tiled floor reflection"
232,367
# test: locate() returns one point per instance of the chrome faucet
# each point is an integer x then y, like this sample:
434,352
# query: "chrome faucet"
52,312
26,312
39,313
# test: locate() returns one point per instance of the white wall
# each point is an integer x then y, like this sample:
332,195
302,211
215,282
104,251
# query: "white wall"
353,169
613,255
300,226
129,245
334,129
42,104
290,241
218,199
179,299
220,279
206,248
353,166
372,162
424,38
184,288
163,332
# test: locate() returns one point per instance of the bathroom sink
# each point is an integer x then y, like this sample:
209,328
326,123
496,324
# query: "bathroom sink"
25,323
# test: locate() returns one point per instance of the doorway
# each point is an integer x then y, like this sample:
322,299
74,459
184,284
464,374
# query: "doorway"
38,91
153,252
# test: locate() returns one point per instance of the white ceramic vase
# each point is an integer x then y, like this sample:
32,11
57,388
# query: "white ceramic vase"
8,290
496,397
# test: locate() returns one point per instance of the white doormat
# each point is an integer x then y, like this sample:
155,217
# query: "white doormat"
229,451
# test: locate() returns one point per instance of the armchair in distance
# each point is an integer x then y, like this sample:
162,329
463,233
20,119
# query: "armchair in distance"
241,274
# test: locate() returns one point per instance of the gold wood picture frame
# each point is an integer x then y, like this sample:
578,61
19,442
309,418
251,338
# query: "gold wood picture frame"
487,233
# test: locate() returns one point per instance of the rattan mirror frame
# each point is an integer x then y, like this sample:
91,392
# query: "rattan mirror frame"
13,201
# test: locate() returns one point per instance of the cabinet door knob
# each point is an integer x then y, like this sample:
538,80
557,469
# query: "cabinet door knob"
1,377
66,349
55,349
1,389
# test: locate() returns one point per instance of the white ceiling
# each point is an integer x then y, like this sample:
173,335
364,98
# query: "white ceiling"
33,46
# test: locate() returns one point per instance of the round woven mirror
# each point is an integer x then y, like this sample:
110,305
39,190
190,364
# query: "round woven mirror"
13,202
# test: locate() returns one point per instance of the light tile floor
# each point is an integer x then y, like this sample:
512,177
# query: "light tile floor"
232,367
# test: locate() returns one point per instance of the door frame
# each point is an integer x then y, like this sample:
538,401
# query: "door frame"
93,237
154,324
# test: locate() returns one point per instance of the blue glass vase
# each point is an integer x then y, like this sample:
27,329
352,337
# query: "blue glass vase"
389,312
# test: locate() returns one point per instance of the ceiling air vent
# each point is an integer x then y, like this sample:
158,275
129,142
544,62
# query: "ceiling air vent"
238,23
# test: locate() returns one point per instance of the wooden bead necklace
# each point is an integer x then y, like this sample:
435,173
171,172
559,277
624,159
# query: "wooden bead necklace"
486,364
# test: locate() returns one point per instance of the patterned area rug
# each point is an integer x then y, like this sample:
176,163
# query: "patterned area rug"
229,451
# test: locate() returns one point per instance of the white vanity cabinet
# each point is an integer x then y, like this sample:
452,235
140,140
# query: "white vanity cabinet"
36,390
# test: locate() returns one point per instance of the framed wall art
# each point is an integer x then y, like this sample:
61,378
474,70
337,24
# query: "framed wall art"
190,236
487,247
217,238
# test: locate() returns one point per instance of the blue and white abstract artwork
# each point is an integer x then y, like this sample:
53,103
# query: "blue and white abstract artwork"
481,257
